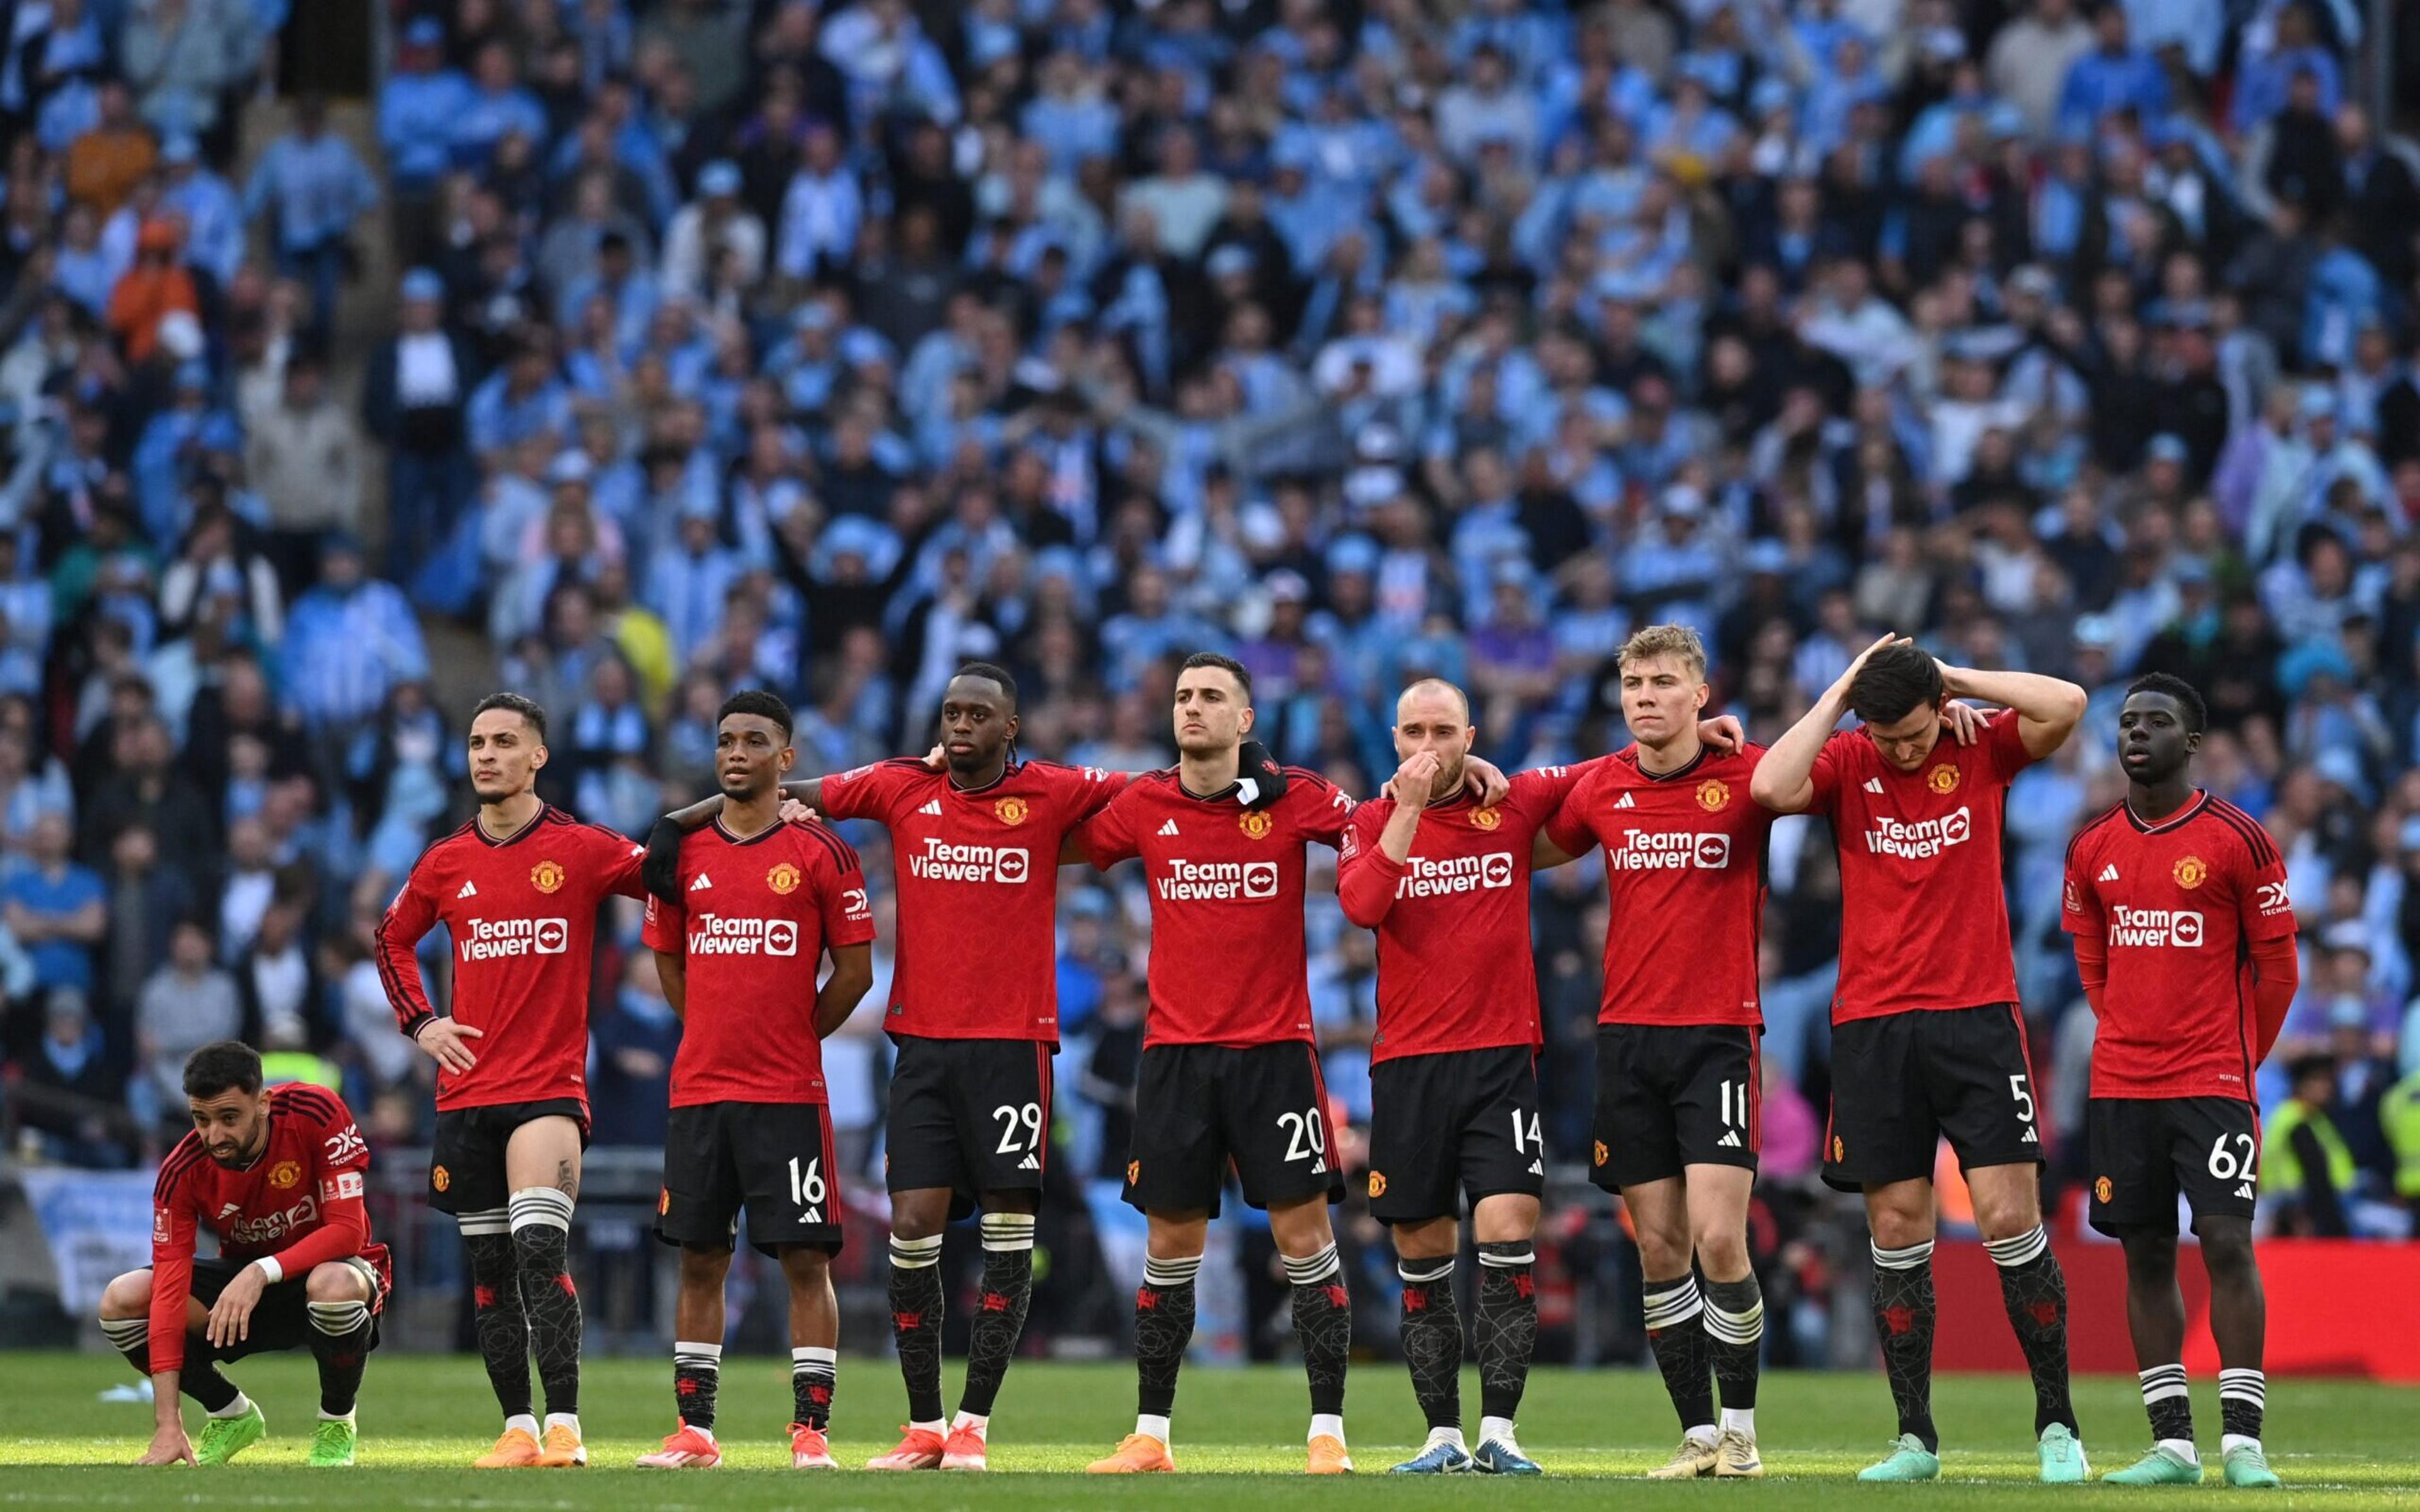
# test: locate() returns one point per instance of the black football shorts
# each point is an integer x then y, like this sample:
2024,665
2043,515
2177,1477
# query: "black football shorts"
1671,1096
774,1159
1903,1082
1204,1108
2147,1151
1458,1122
969,1114
466,1165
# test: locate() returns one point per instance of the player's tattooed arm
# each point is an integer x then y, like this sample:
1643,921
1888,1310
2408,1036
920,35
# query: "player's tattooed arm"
566,1177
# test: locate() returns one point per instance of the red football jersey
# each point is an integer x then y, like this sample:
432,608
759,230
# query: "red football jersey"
974,864
523,915
1456,968
299,1203
2178,904
1924,918
1685,869
759,912
1228,962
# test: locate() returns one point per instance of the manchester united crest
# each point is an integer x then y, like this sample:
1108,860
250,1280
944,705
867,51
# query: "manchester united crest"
2191,871
285,1174
440,1178
1840,1151
1256,824
1377,1183
1134,1172
1487,818
1011,811
1942,778
782,879
1712,793
546,876
663,1200
2101,1188
1597,1156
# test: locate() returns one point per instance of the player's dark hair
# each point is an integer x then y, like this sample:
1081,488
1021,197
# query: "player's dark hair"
1894,683
227,1065
990,673
2169,685
1226,664
526,707
760,702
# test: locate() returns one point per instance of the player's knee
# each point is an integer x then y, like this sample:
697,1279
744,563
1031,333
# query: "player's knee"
2227,1253
2150,1257
333,1282
700,1267
2008,1211
1896,1228
1663,1252
1721,1250
1431,1241
919,1215
805,1265
128,1296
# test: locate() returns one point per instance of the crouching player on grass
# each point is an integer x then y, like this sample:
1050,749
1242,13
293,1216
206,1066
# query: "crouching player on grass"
276,1173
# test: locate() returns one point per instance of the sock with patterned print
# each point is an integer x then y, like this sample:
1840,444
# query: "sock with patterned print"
1163,1331
340,1344
2168,1403
2035,1290
916,1322
200,1379
1000,1315
541,1221
1904,1313
1323,1323
496,1304
1432,1336
697,1375
2242,1401
814,1374
1676,1331
1508,1325
1735,1333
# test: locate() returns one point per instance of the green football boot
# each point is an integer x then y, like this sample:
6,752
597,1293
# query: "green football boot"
2159,1466
2247,1467
2062,1456
1909,1459
332,1441
223,1438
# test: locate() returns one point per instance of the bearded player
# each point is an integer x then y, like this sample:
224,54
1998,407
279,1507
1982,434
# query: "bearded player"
1927,1040
977,835
276,1175
761,902
518,890
2185,943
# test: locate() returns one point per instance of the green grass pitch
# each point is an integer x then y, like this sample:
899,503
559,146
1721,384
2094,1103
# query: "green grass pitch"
2338,1444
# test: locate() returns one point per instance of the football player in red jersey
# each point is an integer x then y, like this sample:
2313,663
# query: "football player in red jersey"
2184,940
1927,1040
276,1173
518,890
977,836
1230,1069
761,902
1444,880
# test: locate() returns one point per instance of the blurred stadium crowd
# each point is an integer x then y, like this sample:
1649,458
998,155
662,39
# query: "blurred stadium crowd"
822,348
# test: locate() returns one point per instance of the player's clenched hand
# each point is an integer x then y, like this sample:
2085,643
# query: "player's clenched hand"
443,1040
1415,780
169,1445
1723,731
1965,720
230,1320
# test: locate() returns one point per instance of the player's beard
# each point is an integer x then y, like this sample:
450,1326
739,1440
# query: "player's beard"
972,768
1449,780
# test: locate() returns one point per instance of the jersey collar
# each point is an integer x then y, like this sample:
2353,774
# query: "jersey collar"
536,819
1008,769
2144,827
730,839
1676,773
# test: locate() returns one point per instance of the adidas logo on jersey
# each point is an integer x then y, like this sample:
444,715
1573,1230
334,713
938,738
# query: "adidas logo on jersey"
1873,784
813,1215
1537,1170
1731,1140
702,884
229,1211
1030,1163
2108,873
2031,1137
1624,802
1168,828
933,808
2243,1190
468,891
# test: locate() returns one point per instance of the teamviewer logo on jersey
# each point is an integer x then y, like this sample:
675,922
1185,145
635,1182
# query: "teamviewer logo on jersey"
1441,876
723,935
940,861
1923,839
2152,928
1657,850
1217,881
495,939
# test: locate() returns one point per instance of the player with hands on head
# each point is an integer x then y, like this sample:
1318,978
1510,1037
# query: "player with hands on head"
1927,1039
2184,941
